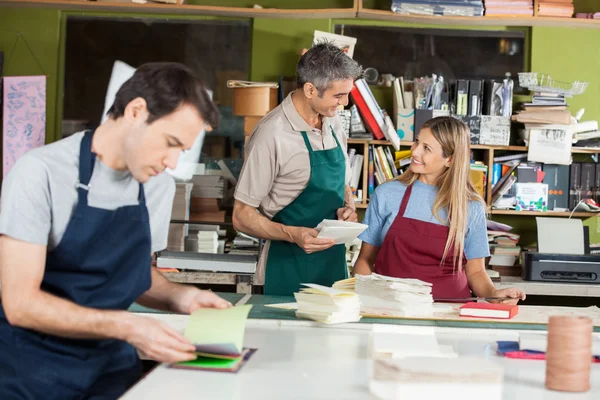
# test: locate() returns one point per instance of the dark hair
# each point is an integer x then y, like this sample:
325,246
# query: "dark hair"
165,86
324,63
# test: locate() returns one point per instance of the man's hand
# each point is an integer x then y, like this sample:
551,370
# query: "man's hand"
347,214
515,295
188,299
158,341
307,239
206,299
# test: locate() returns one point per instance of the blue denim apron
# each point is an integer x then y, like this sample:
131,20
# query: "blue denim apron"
103,262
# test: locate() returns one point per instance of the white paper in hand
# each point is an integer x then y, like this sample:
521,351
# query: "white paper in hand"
341,231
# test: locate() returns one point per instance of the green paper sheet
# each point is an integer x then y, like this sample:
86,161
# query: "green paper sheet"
218,327
210,363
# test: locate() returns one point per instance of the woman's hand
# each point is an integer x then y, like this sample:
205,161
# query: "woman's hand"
515,294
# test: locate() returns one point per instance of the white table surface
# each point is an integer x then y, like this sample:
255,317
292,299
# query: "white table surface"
303,360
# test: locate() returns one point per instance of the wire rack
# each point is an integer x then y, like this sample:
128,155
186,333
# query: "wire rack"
544,83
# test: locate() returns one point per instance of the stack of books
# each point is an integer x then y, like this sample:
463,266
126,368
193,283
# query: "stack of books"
327,305
508,7
556,8
505,251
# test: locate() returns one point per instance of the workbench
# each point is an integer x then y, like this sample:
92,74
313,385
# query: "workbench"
299,359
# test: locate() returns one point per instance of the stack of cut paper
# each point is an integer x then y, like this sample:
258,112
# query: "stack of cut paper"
341,231
218,335
327,305
436,378
393,341
394,296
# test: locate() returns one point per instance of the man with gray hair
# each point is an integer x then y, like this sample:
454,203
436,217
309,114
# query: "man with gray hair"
296,174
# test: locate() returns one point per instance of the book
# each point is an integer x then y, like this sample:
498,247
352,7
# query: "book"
488,310
218,335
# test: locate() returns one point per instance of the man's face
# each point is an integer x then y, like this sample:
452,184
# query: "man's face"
150,148
334,96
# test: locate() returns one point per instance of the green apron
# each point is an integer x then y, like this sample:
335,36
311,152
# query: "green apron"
287,264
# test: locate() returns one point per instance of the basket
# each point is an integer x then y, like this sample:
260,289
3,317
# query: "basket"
544,83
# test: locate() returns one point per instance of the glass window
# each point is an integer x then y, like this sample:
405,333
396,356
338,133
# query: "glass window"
217,50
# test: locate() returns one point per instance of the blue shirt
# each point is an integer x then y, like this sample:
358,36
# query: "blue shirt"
385,205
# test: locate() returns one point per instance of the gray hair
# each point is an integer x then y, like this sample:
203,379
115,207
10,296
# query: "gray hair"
324,63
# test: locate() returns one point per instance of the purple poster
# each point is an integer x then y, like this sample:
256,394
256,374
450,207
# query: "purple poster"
24,117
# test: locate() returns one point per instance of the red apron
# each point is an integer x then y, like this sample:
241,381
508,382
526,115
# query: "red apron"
414,249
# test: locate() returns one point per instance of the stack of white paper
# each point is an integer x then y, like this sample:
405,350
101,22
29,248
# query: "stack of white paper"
430,378
327,305
341,231
208,242
394,296
393,341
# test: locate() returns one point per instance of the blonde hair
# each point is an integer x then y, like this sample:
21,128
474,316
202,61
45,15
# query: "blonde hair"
455,189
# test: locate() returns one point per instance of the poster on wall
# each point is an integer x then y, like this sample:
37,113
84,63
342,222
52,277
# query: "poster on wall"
24,117
1,65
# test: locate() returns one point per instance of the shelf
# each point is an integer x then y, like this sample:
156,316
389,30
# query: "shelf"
187,9
362,205
574,150
388,15
544,214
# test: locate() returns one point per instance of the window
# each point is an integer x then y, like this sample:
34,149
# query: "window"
453,54
217,50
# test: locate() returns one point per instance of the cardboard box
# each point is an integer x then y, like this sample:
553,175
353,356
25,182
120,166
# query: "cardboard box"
249,124
405,123
254,101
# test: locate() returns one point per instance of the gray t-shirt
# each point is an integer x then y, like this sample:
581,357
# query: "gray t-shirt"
39,194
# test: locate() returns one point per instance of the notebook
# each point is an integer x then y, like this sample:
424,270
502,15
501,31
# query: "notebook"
218,335
488,310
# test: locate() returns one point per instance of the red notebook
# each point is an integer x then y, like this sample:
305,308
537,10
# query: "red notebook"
489,310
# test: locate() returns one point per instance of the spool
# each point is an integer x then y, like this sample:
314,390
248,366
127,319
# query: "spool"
569,354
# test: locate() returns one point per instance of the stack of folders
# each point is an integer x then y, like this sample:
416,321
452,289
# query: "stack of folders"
393,296
434,377
327,305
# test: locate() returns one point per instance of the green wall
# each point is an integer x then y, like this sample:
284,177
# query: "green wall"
29,39
568,54
564,53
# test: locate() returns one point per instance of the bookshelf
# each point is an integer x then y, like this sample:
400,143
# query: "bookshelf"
486,156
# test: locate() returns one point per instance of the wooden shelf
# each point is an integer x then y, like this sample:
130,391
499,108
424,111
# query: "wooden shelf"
187,9
388,15
357,11
574,150
544,214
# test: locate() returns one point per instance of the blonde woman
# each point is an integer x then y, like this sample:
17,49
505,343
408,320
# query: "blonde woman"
430,223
